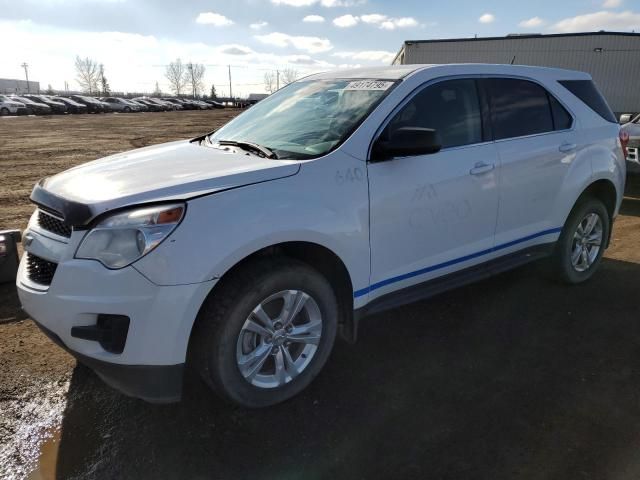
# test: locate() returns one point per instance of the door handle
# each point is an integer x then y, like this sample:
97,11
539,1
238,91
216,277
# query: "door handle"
567,147
481,168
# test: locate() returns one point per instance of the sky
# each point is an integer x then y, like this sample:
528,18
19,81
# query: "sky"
136,39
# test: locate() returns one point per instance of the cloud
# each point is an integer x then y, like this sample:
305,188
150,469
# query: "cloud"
368,55
313,19
324,3
381,21
235,49
533,22
612,3
487,18
258,25
346,21
215,19
599,21
309,44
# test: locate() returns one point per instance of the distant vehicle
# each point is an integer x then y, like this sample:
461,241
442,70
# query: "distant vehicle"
72,105
56,106
93,105
9,106
33,107
243,253
201,105
118,104
106,106
626,118
152,106
632,129
141,105
215,104
176,103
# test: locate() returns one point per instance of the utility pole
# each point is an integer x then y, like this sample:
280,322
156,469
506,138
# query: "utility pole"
230,92
277,79
25,65
66,87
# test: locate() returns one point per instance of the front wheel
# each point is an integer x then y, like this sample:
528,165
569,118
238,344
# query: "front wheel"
581,245
4,111
266,333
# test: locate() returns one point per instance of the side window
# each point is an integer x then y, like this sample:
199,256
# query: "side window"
519,108
451,107
562,119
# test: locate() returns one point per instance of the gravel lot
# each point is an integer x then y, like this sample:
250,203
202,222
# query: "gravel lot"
514,377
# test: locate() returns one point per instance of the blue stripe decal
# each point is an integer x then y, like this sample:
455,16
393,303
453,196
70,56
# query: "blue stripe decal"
404,276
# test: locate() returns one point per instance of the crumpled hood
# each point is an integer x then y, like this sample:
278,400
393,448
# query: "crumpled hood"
170,171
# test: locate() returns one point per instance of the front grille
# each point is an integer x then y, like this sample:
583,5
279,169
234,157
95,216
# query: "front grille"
40,270
53,224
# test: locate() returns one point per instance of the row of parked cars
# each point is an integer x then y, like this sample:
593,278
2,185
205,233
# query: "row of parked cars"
53,104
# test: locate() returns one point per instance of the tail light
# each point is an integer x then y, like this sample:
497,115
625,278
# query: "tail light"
624,142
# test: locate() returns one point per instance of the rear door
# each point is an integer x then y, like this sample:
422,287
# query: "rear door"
434,214
536,143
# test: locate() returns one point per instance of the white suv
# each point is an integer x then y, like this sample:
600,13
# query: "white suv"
244,252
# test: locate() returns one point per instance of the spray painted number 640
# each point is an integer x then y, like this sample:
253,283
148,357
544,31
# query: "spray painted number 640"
349,175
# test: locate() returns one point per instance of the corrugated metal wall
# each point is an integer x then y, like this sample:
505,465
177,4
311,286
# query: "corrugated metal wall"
616,68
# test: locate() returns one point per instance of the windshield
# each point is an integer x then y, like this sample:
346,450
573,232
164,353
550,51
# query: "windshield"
306,119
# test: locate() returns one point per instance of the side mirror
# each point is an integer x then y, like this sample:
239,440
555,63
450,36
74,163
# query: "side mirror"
407,142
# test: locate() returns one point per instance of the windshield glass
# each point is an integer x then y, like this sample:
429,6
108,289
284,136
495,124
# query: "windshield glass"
306,119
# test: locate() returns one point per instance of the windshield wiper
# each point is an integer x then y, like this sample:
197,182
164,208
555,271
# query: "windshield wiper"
262,151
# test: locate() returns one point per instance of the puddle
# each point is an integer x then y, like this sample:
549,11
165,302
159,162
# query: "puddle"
46,463
30,425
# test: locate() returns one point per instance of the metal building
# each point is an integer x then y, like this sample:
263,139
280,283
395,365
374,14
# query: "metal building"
612,59
8,85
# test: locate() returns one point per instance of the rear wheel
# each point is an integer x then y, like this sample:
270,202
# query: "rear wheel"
266,333
127,110
581,244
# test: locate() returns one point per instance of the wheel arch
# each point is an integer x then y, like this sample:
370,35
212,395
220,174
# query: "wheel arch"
317,256
604,190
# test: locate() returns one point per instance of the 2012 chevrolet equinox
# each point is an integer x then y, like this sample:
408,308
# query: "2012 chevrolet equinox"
244,252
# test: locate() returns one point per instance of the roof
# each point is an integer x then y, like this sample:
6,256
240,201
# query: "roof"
257,96
390,72
525,36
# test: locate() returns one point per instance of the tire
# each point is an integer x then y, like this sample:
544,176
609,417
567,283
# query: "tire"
221,343
574,269
4,111
127,110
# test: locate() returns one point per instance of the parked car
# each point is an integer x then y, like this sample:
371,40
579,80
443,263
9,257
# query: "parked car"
9,106
121,105
171,105
631,130
56,107
361,190
151,106
72,105
178,105
93,105
33,107
143,107
214,104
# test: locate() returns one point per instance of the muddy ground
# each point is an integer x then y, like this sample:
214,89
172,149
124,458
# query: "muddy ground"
516,377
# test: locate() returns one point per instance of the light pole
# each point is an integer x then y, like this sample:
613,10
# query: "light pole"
25,65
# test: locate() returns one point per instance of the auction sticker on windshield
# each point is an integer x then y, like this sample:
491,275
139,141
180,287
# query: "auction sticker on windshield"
368,85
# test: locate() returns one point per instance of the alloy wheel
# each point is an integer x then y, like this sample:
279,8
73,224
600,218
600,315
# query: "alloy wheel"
587,242
279,339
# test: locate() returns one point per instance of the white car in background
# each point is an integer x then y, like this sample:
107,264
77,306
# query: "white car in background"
243,253
9,106
632,129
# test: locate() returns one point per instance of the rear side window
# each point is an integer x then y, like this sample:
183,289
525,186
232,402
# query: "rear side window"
562,119
519,108
587,91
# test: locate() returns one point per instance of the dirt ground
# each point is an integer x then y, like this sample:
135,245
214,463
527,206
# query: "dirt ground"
516,377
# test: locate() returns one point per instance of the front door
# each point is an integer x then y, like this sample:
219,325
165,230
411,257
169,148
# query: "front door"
434,214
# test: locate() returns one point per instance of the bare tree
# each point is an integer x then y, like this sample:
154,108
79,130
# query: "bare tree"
106,90
87,74
195,75
288,75
270,82
177,76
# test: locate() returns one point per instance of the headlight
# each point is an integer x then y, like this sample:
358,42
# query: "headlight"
123,238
